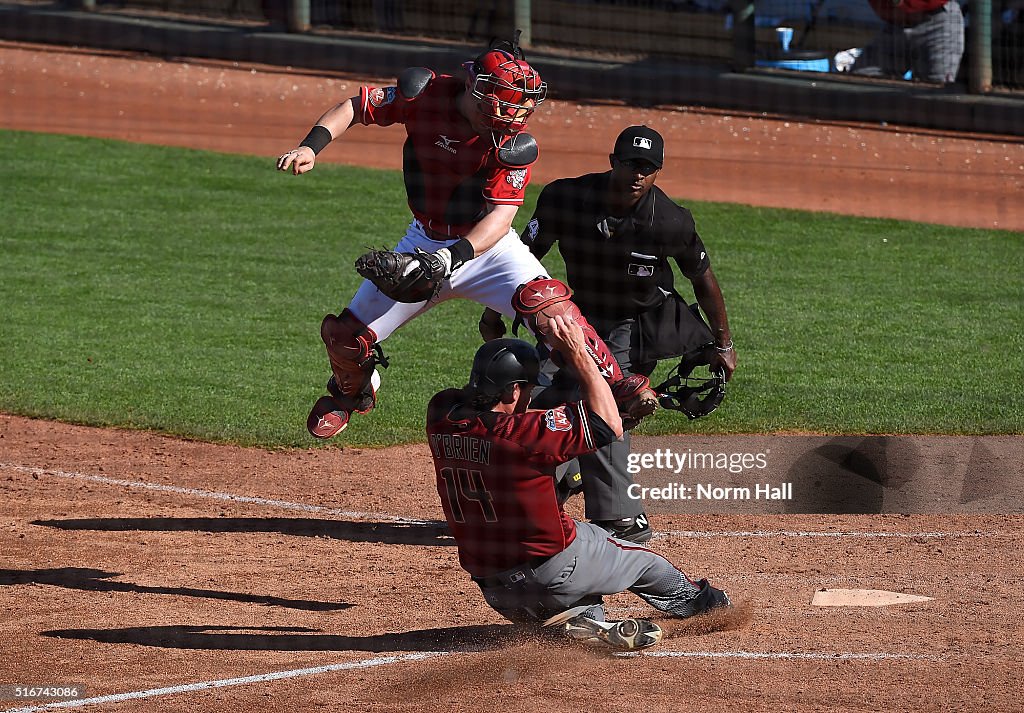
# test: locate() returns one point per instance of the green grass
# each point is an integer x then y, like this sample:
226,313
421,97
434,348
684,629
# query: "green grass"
182,291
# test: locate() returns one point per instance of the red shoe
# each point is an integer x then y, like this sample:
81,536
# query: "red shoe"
327,419
330,414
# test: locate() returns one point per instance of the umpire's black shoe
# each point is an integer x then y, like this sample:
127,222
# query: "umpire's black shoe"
634,529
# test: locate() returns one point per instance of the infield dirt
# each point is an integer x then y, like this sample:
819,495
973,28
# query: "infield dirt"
128,569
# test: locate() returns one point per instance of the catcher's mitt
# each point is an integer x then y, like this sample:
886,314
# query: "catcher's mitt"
404,277
635,399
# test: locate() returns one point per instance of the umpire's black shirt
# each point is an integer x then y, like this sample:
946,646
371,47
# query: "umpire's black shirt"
615,265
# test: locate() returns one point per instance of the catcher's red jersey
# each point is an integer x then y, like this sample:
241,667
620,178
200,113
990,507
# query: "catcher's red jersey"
495,478
451,172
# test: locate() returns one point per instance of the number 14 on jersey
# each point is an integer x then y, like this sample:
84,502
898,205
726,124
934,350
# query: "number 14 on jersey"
463,484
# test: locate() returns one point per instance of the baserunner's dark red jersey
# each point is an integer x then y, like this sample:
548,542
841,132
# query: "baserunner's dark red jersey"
495,478
450,171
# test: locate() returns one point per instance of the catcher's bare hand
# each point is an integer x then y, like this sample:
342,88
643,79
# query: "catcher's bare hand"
299,160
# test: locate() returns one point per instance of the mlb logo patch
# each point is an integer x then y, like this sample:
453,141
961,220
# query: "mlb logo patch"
642,142
556,420
640,270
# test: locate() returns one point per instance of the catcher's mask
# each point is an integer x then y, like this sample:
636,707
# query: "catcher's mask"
502,362
694,396
506,88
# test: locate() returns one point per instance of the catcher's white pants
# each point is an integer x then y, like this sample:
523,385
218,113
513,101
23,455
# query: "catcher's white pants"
490,279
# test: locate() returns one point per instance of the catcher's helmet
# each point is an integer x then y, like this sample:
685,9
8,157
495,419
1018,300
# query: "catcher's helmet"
696,397
506,88
502,362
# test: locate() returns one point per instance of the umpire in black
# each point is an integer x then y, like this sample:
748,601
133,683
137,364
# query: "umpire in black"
616,232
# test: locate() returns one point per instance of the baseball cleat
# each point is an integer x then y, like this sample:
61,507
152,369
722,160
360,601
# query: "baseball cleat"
720,600
330,414
626,635
709,598
634,529
326,420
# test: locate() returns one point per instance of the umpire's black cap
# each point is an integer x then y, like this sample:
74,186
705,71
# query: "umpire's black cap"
640,142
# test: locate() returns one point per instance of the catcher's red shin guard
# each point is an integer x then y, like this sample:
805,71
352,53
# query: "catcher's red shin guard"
353,351
537,301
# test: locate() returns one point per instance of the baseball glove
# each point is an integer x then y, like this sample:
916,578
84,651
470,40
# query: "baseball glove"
404,277
635,399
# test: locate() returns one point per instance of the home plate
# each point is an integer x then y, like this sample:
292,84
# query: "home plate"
863,598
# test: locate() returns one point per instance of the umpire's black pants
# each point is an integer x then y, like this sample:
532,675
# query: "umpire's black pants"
605,480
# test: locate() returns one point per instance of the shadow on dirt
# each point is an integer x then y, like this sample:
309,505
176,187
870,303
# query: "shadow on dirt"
275,638
849,475
392,533
97,580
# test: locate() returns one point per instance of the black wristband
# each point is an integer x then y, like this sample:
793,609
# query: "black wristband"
317,138
462,252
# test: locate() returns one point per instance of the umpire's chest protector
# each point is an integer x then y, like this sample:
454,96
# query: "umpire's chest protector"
620,267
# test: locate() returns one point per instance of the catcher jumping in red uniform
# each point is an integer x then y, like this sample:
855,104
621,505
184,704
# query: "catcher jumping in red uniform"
495,463
467,161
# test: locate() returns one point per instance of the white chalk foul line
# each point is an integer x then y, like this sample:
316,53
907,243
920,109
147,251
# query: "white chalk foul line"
195,492
385,660
206,685
703,534
811,656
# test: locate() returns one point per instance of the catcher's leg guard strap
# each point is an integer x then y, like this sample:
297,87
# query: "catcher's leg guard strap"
537,301
353,350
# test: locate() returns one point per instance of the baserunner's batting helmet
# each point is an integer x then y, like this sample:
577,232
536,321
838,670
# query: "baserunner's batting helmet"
502,362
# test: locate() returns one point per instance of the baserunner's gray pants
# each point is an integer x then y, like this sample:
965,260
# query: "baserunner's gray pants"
593,565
